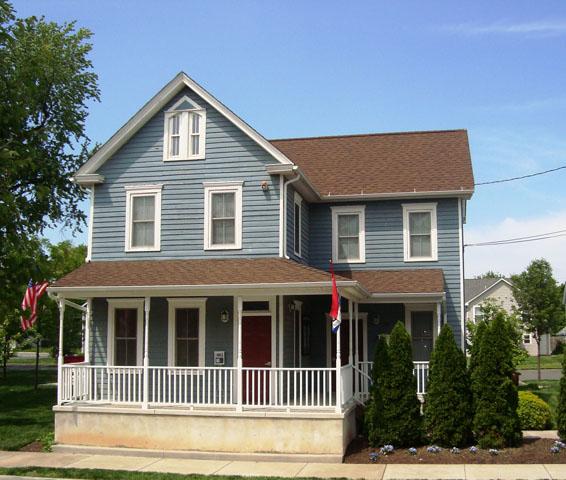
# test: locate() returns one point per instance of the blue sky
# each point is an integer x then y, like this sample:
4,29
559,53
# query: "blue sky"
303,68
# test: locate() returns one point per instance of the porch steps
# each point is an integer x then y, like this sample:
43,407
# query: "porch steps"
198,455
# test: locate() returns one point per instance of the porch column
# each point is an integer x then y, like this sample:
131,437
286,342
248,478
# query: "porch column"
88,321
350,330
356,347
146,305
61,303
438,316
338,373
239,358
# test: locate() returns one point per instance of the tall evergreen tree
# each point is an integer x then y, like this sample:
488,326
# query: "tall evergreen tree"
561,410
374,411
496,423
448,408
402,422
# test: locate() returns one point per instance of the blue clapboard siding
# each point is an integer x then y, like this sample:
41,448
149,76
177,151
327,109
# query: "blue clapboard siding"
230,155
384,245
305,224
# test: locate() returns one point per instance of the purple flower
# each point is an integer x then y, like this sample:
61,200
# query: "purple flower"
434,449
412,451
493,451
373,456
473,449
554,449
455,450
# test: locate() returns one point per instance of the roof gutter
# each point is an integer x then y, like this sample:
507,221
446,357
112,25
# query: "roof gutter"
466,194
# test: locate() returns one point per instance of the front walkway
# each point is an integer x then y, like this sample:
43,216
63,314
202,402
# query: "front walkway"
282,469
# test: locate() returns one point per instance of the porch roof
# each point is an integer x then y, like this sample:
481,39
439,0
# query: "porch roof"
153,277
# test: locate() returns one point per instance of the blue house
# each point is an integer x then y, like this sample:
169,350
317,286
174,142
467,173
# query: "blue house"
207,284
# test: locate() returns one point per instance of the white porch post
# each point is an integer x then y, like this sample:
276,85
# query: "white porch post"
239,363
438,316
338,373
356,347
60,353
146,305
350,330
88,321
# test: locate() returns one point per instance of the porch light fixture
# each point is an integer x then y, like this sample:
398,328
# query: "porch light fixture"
224,316
292,306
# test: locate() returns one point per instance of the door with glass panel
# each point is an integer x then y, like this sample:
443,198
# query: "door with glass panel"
186,337
422,335
125,338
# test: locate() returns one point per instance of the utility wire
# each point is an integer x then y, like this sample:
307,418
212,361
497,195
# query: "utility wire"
521,177
530,238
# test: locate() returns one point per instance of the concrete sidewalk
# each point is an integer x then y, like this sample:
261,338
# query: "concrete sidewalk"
282,469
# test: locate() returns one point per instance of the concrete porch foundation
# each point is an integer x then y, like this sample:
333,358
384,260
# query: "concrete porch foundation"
267,434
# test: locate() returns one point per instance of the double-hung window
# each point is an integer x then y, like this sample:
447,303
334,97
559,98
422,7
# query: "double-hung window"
477,313
186,344
348,234
297,225
184,131
419,232
222,215
143,218
125,332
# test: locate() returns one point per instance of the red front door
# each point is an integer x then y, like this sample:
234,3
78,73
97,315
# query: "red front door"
256,352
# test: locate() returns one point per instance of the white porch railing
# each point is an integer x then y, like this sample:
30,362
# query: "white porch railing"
420,370
283,388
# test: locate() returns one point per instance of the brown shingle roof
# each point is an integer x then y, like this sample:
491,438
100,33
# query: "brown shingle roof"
139,273
136,273
383,163
399,281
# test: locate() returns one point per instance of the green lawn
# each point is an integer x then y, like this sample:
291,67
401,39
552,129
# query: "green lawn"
92,474
548,390
547,361
31,361
25,414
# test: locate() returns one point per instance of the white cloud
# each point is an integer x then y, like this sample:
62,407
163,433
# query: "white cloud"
540,28
509,259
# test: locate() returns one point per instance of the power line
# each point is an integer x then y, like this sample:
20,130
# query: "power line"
521,177
530,238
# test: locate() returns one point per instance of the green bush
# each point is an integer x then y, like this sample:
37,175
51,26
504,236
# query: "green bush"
561,410
402,421
558,349
448,407
533,412
373,419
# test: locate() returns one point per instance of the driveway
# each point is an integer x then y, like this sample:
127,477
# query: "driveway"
545,374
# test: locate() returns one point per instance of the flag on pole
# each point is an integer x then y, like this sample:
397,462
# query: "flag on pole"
32,295
335,311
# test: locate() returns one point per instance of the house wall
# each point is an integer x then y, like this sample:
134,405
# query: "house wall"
230,155
384,245
305,224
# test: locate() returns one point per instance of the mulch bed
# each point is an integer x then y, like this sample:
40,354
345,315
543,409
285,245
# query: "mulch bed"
533,450
32,447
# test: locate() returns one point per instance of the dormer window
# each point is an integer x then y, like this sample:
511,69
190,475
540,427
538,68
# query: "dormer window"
184,131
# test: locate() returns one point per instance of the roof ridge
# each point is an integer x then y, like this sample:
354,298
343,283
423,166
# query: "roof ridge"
373,134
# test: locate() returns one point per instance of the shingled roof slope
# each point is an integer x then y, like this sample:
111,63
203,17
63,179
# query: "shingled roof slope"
399,281
431,161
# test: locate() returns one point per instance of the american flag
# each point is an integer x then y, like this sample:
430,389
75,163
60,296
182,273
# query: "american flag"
32,295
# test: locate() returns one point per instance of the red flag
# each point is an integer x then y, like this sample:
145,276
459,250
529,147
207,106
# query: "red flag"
32,295
335,306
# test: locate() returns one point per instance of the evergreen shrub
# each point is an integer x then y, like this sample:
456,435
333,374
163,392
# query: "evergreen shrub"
533,412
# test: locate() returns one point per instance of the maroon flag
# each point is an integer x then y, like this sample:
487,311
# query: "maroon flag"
32,295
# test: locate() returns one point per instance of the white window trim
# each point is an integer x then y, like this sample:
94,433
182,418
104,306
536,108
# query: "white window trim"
184,129
141,191
175,303
298,200
113,304
349,210
476,311
223,187
420,208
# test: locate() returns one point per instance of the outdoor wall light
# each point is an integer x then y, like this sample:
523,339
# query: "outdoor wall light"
292,306
264,186
376,319
224,316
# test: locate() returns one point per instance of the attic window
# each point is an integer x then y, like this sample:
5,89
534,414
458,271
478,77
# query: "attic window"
184,131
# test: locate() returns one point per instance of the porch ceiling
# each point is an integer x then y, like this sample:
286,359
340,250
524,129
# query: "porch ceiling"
200,276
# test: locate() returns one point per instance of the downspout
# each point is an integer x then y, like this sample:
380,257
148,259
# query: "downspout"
285,185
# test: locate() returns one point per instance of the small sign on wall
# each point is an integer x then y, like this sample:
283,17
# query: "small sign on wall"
218,358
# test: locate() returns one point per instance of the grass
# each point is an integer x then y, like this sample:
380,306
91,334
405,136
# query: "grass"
94,474
31,361
547,361
25,414
548,390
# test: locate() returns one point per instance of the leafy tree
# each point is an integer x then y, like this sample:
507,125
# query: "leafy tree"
496,423
46,82
374,413
539,301
402,422
561,409
490,274
448,408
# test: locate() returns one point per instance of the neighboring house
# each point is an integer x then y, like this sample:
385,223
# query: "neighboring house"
499,290
207,285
